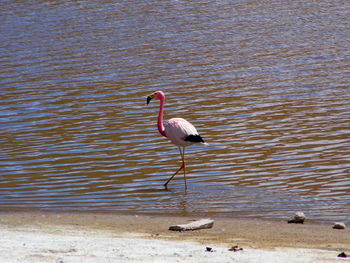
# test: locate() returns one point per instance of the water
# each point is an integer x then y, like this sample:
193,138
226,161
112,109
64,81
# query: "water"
266,83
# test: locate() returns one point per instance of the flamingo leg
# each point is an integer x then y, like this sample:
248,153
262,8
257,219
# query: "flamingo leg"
182,167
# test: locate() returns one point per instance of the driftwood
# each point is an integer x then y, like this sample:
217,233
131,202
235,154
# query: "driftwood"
339,225
298,218
195,225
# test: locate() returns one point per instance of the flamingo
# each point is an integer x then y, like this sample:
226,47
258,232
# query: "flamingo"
178,130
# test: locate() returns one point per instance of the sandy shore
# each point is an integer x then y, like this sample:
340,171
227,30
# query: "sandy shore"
83,237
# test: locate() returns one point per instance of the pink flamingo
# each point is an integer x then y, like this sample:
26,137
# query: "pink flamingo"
178,130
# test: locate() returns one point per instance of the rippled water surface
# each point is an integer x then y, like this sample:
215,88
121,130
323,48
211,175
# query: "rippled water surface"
266,83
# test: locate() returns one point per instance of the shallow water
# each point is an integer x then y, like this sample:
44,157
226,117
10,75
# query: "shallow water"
265,83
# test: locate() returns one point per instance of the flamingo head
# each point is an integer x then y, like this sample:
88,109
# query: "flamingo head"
159,95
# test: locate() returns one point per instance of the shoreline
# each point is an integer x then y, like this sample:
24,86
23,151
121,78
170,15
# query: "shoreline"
273,238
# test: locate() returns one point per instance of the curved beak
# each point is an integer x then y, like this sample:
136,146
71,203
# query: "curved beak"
149,97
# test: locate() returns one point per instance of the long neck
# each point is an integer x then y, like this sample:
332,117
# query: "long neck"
160,124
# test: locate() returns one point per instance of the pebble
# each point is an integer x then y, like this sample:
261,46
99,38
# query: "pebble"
339,225
343,255
209,249
235,248
298,218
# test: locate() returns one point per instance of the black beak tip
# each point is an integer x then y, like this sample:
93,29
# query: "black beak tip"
148,99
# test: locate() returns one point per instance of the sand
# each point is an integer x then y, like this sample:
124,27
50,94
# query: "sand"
86,237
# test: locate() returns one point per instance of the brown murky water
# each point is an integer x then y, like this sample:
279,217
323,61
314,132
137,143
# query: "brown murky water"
266,83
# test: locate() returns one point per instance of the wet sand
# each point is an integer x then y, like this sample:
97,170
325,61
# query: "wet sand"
70,237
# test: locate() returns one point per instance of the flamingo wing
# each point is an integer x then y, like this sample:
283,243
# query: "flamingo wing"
181,132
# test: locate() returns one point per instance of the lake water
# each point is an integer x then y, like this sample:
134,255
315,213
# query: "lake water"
266,83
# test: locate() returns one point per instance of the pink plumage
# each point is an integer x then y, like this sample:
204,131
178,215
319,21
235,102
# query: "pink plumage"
179,131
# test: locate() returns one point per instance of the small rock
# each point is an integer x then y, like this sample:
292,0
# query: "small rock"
342,255
209,249
298,218
339,225
235,248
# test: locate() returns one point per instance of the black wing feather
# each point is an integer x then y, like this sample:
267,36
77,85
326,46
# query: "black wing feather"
194,138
